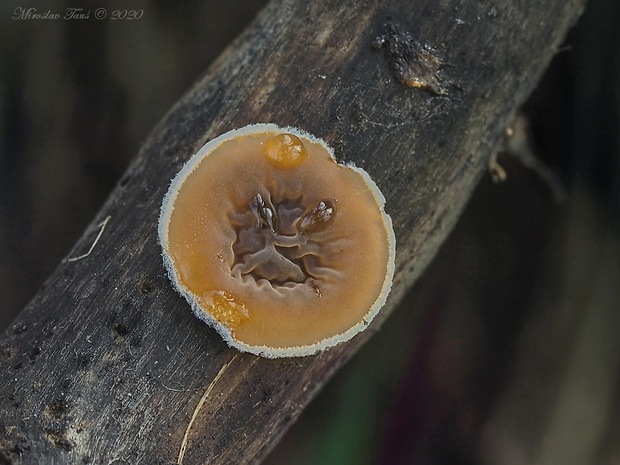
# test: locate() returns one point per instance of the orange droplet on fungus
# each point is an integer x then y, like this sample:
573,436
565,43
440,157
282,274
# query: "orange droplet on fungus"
285,151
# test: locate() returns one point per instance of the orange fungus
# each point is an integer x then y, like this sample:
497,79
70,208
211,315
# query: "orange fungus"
282,250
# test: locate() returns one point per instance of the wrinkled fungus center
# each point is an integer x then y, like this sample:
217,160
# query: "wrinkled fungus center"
274,243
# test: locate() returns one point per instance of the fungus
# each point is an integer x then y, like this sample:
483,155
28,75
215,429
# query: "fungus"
281,249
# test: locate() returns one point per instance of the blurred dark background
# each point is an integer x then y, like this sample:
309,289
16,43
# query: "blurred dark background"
506,352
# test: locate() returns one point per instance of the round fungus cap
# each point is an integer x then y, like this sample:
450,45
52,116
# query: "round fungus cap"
281,249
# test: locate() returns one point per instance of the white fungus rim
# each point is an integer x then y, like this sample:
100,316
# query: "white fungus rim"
266,351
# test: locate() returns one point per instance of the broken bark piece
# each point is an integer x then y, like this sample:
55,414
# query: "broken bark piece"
413,64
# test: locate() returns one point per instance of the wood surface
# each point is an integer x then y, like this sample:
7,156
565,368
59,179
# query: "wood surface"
107,363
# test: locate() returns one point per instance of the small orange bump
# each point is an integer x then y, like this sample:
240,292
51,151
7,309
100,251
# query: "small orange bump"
285,151
227,309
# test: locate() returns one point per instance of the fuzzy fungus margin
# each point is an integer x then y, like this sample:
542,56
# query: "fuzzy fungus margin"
275,253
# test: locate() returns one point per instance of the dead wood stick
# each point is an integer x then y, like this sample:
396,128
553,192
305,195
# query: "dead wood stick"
107,364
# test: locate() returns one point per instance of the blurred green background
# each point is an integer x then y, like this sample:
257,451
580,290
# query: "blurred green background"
508,349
